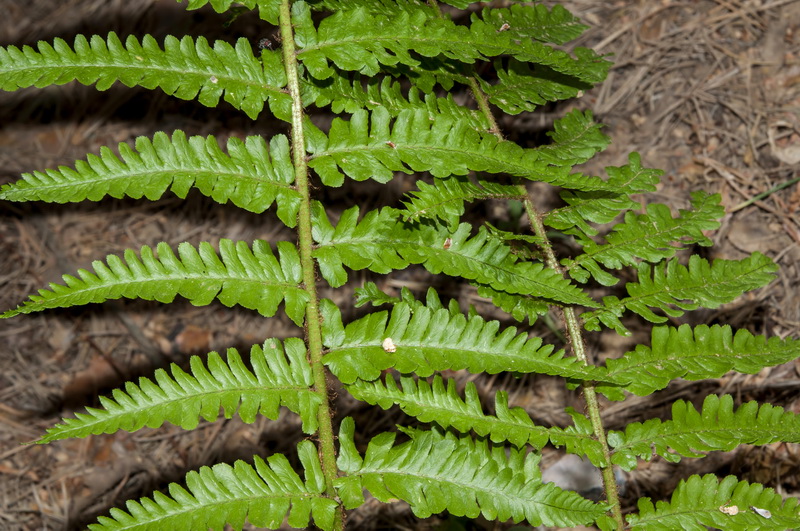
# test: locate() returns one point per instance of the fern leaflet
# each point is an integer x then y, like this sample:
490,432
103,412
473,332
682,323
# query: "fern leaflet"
262,494
648,237
428,472
185,68
674,288
702,502
433,340
375,146
382,243
254,279
694,354
278,379
603,206
250,175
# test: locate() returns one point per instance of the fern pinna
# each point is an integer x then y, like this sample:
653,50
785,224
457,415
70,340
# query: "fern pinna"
389,69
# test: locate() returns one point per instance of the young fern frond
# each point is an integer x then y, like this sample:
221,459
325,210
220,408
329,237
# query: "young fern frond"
278,379
674,288
265,494
702,502
425,341
694,353
254,279
186,68
428,473
651,237
716,427
250,175
381,242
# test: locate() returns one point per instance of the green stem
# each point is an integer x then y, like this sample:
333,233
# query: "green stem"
327,451
570,318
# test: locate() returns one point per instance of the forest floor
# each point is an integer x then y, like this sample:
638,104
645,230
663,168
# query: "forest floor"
707,90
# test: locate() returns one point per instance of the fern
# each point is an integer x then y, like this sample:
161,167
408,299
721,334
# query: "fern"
417,88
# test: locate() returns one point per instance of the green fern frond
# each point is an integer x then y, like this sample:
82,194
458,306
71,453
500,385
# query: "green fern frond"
651,237
185,68
381,242
695,354
375,145
702,502
428,340
445,198
254,279
554,25
262,494
435,402
268,9
603,206
278,379
362,41
429,473
717,427
674,288
250,176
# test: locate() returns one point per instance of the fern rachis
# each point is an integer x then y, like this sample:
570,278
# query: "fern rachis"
461,458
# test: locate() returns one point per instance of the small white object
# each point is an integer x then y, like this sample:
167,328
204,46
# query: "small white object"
214,79
388,345
762,512
731,510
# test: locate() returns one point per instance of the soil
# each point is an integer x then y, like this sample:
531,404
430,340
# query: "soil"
707,90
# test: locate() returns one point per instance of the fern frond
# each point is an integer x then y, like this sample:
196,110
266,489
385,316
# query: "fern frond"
278,379
381,242
651,237
443,405
603,206
429,473
254,279
362,41
691,433
381,7
375,145
695,354
673,288
702,502
262,493
427,340
185,68
445,198
250,176
520,88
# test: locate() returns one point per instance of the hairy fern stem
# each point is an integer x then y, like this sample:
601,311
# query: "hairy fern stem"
327,450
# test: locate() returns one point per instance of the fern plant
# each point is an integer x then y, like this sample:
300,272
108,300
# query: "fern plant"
389,69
